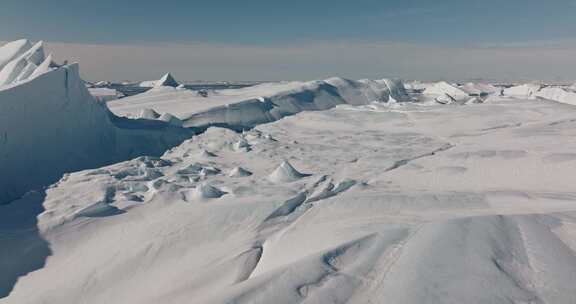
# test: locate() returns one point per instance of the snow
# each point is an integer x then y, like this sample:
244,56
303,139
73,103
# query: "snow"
23,66
335,191
527,90
557,94
245,108
12,50
399,204
444,93
479,89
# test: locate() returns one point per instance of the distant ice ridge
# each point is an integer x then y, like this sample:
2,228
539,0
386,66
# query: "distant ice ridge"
166,81
305,96
50,124
534,91
557,94
527,90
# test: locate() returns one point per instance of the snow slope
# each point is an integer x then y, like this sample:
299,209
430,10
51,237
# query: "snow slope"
50,124
354,204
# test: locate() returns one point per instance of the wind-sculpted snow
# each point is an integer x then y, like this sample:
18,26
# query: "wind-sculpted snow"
404,203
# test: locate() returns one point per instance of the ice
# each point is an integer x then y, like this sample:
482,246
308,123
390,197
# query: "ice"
523,91
445,93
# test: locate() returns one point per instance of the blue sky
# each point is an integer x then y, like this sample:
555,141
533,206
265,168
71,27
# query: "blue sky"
448,24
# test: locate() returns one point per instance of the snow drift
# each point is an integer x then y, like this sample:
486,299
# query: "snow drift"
50,124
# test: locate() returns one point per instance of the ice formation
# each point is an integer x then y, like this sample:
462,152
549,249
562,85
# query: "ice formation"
53,125
166,81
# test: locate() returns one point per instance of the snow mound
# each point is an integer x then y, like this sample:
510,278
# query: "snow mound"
444,92
285,173
166,81
205,191
527,90
239,172
557,94
77,132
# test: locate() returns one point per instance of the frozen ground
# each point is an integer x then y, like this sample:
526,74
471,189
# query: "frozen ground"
390,201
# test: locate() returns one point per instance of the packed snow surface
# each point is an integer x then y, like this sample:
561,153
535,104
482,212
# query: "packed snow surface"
354,204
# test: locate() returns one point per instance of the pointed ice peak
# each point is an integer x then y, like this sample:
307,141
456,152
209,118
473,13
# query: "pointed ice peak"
44,67
239,172
13,50
166,81
205,191
285,173
21,67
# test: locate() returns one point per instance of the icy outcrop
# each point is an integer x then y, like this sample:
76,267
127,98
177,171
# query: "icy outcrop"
444,92
285,173
479,89
51,124
23,66
306,96
527,90
12,50
166,81
557,94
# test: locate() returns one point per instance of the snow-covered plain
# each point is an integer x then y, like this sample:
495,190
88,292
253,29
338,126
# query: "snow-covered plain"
336,191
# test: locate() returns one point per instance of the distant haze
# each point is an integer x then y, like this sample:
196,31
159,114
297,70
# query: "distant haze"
303,39
205,61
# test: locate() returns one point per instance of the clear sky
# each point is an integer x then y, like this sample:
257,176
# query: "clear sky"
303,39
